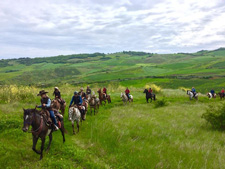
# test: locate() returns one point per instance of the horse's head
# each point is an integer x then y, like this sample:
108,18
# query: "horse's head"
99,90
145,91
188,92
27,118
121,95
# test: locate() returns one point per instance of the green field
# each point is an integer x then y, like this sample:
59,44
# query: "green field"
204,69
137,135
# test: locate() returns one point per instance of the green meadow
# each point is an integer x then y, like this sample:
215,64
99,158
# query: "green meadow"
136,135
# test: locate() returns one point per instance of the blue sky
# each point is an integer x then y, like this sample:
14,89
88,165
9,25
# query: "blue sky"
54,27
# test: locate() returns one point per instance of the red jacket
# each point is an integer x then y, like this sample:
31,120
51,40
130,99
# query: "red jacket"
222,91
150,90
104,90
127,91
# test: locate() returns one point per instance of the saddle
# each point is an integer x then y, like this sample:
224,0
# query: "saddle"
46,117
48,120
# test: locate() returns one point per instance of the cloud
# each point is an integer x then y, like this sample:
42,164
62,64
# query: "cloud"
46,28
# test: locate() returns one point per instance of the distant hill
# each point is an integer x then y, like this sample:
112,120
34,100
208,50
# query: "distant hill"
103,68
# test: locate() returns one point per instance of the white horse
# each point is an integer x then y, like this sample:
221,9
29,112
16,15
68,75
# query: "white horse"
125,99
75,115
211,96
191,95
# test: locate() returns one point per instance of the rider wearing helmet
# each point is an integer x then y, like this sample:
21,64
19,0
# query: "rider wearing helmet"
77,101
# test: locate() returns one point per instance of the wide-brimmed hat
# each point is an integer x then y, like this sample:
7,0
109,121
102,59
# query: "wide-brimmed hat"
81,88
41,92
75,92
57,88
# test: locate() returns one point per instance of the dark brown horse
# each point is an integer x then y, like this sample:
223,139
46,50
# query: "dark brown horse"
40,128
103,98
222,95
58,106
149,95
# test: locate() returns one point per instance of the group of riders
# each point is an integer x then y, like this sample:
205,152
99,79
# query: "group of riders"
212,91
80,97
78,100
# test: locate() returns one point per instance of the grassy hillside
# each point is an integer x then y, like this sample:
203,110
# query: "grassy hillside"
134,136
185,69
137,135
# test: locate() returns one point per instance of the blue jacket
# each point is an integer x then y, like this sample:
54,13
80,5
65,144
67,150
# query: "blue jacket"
193,90
76,100
212,91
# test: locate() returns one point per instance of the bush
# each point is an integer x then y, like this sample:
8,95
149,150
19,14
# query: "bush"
160,103
14,93
215,116
155,88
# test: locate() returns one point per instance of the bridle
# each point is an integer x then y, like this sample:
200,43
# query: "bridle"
38,130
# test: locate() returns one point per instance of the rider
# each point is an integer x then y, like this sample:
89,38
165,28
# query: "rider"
104,92
82,93
150,90
77,100
212,92
88,90
57,94
46,104
127,92
193,91
222,91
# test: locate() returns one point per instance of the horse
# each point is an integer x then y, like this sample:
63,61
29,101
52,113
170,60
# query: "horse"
58,106
85,105
149,95
93,104
75,115
191,95
125,99
222,95
103,98
40,128
210,95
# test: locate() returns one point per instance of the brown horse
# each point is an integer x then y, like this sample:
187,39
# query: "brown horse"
103,98
222,95
58,106
40,128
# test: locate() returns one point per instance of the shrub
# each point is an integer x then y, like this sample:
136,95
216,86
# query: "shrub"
160,103
215,116
13,93
155,88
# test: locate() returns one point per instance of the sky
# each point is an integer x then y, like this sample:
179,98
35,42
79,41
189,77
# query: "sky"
60,27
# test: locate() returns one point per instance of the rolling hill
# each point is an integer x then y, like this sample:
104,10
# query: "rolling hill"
167,70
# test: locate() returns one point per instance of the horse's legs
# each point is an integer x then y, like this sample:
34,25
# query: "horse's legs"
42,147
73,128
50,140
78,126
62,129
35,139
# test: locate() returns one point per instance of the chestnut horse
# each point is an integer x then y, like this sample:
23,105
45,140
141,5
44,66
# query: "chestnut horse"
102,98
58,106
40,128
